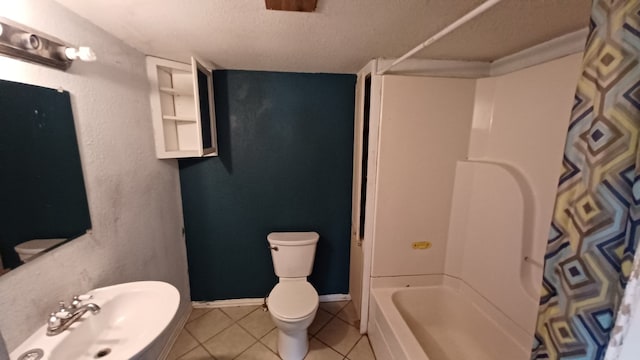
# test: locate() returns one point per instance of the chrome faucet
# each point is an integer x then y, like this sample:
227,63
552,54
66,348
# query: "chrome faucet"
67,315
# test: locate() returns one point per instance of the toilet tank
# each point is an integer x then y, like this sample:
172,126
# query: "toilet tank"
293,253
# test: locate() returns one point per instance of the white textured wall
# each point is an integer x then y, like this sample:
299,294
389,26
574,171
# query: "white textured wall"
134,199
424,130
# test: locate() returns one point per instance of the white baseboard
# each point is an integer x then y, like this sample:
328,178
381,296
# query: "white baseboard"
259,301
335,297
227,303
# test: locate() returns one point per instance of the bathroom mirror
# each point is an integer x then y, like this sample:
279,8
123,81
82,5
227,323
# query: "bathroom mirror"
42,192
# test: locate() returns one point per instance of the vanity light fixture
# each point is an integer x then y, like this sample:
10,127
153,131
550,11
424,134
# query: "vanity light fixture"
22,43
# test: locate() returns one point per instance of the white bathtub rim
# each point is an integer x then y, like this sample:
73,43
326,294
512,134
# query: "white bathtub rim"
410,346
400,281
379,344
515,331
408,343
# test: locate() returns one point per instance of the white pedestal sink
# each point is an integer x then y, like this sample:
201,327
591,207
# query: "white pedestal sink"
132,316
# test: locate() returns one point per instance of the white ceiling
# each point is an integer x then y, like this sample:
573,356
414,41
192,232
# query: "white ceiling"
339,37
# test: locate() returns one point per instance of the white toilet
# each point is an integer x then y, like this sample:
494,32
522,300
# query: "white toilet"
28,249
293,302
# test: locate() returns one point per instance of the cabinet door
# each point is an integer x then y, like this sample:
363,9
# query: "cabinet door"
205,111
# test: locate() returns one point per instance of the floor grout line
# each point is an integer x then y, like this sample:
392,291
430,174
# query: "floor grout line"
324,326
245,350
201,343
354,345
244,316
184,328
201,315
197,341
258,340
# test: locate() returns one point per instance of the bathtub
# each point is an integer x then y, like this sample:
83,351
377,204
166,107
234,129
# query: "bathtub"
446,321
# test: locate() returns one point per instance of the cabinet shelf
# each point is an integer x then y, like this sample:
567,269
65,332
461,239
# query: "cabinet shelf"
179,118
175,92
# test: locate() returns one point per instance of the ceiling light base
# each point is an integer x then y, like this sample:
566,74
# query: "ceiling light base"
291,5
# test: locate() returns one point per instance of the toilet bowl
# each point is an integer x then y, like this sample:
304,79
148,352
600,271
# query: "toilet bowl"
29,249
293,305
293,302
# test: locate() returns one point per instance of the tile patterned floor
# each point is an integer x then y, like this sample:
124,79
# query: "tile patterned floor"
247,333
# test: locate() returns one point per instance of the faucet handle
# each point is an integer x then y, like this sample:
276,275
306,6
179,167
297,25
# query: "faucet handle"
63,312
78,299
53,321
75,302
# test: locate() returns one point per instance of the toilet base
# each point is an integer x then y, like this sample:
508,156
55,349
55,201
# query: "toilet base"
293,345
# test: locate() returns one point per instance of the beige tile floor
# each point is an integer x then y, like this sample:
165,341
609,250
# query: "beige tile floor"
247,333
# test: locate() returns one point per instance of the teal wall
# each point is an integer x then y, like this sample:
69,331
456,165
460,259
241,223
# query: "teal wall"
285,164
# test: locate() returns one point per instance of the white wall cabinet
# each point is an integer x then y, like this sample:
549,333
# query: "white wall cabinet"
182,108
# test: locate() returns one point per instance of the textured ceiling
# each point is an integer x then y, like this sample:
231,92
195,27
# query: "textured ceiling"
340,37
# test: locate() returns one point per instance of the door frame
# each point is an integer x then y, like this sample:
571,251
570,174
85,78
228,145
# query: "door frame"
362,249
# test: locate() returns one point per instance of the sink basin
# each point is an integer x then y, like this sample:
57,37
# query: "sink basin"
132,316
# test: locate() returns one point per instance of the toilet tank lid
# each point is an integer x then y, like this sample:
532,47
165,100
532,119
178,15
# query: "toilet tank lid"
293,238
37,245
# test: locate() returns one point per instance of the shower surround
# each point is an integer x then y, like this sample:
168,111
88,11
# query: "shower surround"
501,174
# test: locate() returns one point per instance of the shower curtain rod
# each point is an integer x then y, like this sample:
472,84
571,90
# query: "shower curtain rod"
456,24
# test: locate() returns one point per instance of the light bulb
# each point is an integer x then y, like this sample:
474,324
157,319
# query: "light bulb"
86,54
83,53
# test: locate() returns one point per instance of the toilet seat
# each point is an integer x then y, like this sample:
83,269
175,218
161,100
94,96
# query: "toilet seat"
293,300
36,246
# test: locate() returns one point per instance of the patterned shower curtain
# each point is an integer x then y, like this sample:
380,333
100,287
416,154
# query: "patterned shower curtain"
595,226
